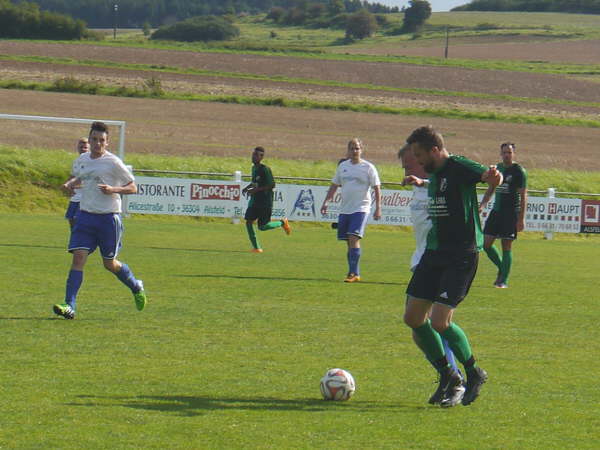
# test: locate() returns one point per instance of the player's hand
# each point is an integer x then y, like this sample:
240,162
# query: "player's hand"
493,176
106,189
412,180
377,214
68,188
324,209
482,206
520,226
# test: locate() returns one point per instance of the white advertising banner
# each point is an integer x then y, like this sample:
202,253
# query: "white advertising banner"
217,198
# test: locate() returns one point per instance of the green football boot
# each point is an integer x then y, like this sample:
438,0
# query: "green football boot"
140,297
64,310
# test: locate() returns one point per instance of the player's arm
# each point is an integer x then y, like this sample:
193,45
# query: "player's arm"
377,213
414,181
521,221
129,188
486,198
71,184
328,197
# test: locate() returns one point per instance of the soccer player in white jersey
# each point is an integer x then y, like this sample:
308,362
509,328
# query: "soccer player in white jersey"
83,146
102,178
356,177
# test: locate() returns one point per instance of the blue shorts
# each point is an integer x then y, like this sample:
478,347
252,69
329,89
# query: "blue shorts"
354,224
97,230
72,210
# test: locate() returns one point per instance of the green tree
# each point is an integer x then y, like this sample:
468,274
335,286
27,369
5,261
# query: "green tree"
360,25
336,7
202,28
416,15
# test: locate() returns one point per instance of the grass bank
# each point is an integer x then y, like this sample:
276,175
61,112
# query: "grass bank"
30,179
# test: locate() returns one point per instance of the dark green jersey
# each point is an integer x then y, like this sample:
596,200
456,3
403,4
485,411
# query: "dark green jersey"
508,199
453,206
261,177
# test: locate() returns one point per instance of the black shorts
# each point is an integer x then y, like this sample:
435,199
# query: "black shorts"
501,225
262,213
443,277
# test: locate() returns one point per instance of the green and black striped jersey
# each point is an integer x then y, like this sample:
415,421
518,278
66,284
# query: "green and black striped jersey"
508,199
453,206
262,176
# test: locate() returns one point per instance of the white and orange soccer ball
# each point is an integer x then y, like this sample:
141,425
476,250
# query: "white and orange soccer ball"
337,384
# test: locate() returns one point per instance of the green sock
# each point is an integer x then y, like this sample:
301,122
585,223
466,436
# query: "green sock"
494,256
458,342
252,235
429,341
506,263
271,225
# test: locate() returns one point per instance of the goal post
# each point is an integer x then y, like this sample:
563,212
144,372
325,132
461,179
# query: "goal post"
117,123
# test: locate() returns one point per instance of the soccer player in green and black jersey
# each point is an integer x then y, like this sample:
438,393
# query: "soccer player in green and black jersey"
446,270
260,205
508,214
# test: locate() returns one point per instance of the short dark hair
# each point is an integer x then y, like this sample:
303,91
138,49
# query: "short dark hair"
99,126
427,137
259,149
508,144
403,150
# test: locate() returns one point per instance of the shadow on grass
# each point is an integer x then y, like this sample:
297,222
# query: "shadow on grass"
186,405
326,280
62,247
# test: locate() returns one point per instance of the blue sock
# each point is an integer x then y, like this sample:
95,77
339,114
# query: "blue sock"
74,281
353,259
127,278
450,355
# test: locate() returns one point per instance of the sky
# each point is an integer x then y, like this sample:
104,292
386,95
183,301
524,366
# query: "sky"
436,5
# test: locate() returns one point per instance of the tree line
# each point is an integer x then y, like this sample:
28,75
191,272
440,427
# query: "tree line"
26,21
134,13
565,6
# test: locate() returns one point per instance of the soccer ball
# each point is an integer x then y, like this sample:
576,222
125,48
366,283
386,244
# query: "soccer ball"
337,384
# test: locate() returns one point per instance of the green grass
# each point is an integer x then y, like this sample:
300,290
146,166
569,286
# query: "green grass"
230,350
281,79
30,179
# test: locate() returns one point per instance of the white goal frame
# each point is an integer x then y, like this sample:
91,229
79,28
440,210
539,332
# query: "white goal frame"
119,123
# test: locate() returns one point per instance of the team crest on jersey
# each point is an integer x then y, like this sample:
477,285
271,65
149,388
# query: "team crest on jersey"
508,178
443,184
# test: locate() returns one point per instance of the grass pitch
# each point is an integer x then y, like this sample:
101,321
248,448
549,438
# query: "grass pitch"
230,350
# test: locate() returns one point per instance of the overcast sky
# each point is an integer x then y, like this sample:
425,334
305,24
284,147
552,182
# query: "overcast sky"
436,5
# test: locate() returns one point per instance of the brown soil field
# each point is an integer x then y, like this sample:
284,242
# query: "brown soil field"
386,74
42,72
190,128
492,47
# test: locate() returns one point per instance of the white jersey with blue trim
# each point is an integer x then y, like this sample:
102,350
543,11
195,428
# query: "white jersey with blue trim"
356,181
107,169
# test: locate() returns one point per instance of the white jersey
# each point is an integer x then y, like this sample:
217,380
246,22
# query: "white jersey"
419,215
108,169
356,181
76,197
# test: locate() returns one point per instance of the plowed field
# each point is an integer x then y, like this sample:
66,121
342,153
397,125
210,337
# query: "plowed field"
188,128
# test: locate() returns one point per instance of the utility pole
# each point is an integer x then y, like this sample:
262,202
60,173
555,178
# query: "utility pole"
447,41
116,9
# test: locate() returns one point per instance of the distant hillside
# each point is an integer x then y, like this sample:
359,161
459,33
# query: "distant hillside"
565,6
134,13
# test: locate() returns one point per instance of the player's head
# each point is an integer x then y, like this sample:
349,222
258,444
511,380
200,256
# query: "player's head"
507,152
258,154
428,147
409,162
83,145
355,149
98,137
